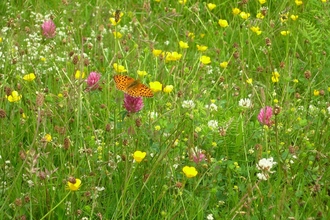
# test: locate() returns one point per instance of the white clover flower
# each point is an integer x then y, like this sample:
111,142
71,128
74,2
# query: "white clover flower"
265,166
245,103
213,125
209,217
153,115
313,109
212,107
188,104
251,151
99,188
262,176
209,70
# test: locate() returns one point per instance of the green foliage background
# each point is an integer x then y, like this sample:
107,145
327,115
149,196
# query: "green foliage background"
102,137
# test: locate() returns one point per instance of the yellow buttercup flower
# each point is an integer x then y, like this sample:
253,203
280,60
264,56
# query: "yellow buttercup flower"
260,15
256,30
182,2
298,2
294,17
284,33
168,89
190,171
119,68
249,81
262,2
224,64
156,53
201,48
79,75
14,97
113,21
155,86
191,35
205,60
117,35
157,127
236,11
223,23
142,73
139,156
183,45
74,184
211,6
284,17
47,138
275,77
29,77
316,92
244,15
173,56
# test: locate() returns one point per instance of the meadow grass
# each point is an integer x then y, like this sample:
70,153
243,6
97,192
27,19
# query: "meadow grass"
57,130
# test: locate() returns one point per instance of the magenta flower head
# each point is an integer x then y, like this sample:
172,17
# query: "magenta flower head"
48,29
197,155
93,81
265,115
133,104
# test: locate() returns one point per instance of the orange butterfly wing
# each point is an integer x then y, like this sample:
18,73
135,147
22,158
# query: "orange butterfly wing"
132,87
123,82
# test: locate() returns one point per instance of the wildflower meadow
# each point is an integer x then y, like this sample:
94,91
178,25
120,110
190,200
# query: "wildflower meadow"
156,109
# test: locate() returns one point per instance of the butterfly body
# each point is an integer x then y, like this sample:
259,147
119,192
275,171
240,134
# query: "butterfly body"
117,15
132,87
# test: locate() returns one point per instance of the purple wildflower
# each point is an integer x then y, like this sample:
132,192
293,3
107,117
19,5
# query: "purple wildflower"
265,115
197,155
93,81
133,104
48,29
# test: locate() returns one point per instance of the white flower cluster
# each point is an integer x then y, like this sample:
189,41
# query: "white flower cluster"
212,107
265,166
153,115
213,125
188,104
245,103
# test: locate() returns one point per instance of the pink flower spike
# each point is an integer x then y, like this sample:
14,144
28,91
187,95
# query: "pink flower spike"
133,104
265,115
93,81
199,157
48,29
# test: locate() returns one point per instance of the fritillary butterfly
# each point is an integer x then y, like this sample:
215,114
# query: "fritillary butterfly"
132,87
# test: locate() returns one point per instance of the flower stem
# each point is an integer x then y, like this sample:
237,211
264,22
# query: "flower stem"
56,206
